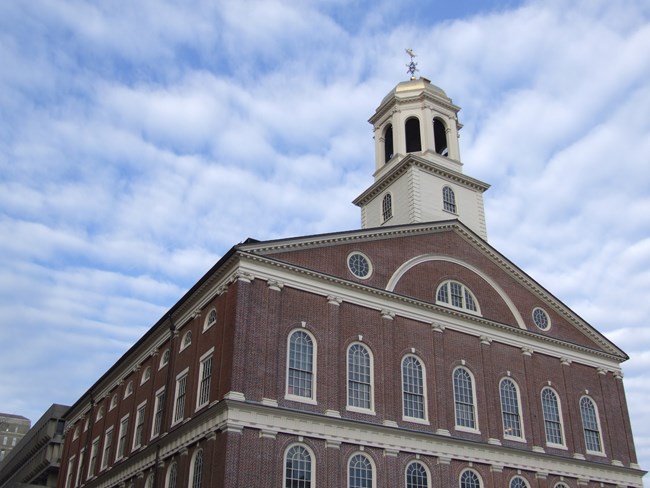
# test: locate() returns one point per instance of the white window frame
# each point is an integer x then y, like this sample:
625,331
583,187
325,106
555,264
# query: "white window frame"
191,480
522,437
600,430
113,402
517,478
80,467
478,476
92,461
426,470
373,467
464,289
425,413
186,341
106,456
457,426
69,477
128,391
100,413
172,465
146,375
207,324
120,453
559,409
177,393
202,362
312,460
353,408
449,202
158,405
386,210
140,421
291,396
164,359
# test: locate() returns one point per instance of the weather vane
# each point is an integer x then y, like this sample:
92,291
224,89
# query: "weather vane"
412,66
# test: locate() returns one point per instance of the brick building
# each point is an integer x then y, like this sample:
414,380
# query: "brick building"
408,353
12,429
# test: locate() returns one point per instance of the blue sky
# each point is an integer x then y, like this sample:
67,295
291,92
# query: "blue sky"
139,141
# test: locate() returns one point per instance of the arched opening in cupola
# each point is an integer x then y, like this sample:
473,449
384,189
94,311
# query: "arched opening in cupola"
388,143
413,141
440,137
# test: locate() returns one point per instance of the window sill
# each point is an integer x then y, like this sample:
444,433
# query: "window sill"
596,453
415,420
470,430
557,446
297,398
366,411
515,439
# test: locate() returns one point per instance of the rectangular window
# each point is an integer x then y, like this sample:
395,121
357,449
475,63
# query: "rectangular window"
70,474
93,458
181,392
139,426
80,467
108,444
204,386
121,443
159,403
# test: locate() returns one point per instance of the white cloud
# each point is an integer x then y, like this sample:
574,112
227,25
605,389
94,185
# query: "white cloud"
139,141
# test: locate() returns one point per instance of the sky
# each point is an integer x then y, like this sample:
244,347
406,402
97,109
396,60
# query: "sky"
139,141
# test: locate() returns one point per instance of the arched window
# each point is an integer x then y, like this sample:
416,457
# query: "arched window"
552,417
300,367
187,340
510,409
387,207
464,399
518,482
129,389
388,143
416,476
359,377
113,403
196,469
469,479
100,414
590,425
412,129
440,137
210,320
164,359
298,467
172,474
448,199
360,472
149,482
413,388
560,485
146,374
456,295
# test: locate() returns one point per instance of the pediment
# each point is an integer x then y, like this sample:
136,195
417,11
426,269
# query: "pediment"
411,261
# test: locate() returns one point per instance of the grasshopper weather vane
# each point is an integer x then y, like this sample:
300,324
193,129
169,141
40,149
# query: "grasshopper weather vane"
412,66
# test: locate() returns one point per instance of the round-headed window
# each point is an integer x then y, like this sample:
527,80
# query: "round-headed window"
359,265
541,319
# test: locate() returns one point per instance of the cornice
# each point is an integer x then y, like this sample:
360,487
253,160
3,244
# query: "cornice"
234,416
411,160
296,277
422,96
545,296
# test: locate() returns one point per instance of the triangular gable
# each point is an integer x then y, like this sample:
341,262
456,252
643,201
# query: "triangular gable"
411,260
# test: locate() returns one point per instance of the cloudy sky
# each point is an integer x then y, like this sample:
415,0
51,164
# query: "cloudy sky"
140,140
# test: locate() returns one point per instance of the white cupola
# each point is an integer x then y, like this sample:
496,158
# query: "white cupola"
418,172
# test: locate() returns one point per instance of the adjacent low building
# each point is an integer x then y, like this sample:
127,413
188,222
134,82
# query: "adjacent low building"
36,459
12,429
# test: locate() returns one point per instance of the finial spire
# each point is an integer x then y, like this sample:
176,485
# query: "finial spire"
412,66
